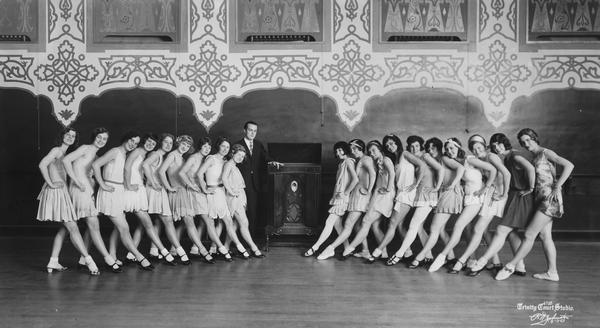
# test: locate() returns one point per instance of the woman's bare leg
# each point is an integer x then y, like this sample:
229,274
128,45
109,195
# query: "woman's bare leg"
416,223
539,221
368,220
437,228
396,221
467,215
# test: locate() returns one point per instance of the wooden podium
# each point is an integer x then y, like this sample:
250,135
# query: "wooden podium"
294,190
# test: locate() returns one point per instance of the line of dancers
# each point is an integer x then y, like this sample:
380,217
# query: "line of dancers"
442,178
145,176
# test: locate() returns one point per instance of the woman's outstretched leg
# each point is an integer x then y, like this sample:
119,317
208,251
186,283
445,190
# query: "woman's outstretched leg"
466,216
539,221
416,223
330,223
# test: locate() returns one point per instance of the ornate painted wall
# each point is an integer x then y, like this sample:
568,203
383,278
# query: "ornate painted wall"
351,72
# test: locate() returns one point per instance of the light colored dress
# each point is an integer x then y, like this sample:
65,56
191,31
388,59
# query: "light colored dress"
55,204
217,201
83,200
237,203
357,201
112,203
158,200
199,202
473,180
339,205
425,195
545,178
490,206
136,200
405,176
382,203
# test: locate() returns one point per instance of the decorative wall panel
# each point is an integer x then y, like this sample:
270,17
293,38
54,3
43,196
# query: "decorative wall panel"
208,68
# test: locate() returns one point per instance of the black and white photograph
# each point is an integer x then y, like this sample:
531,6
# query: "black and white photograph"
299,163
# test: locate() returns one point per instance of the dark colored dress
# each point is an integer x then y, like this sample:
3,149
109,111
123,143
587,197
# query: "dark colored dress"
519,209
545,178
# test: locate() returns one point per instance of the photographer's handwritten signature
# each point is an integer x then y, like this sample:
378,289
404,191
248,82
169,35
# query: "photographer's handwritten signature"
543,318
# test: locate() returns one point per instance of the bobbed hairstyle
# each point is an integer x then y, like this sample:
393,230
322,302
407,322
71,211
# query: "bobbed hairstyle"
461,153
358,144
163,136
344,146
129,135
500,138
476,138
375,143
146,137
399,149
236,148
184,138
98,131
61,135
436,143
203,141
218,143
528,132
412,139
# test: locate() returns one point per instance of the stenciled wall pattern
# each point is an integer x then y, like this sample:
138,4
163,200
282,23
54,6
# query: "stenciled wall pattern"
351,72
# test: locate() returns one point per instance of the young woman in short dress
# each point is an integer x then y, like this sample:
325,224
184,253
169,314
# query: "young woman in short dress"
78,165
188,175
136,197
425,197
450,199
233,181
382,202
179,198
358,201
493,204
56,206
211,183
345,181
549,203
109,172
407,165
475,190
158,199
519,204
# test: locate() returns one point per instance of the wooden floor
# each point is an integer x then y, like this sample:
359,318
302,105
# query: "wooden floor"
287,290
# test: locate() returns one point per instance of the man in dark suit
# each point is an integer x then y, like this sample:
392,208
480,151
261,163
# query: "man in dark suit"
254,171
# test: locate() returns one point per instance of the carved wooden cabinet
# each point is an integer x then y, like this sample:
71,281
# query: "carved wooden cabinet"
294,191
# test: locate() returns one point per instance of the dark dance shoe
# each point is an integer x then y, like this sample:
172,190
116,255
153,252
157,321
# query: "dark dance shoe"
474,273
415,264
184,259
148,267
309,252
244,255
257,254
169,259
408,259
520,273
81,267
393,260
454,270
347,256
494,267
450,263
227,257
207,258
114,268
